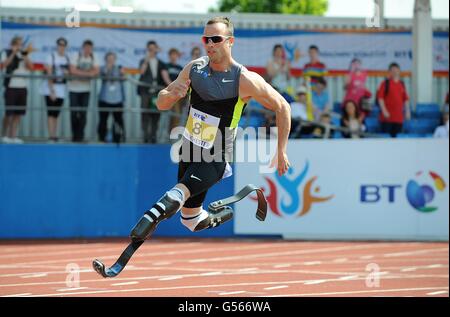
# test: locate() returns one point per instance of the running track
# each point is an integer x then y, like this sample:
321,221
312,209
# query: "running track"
227,268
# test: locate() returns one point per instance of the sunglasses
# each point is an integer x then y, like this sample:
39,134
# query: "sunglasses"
215,39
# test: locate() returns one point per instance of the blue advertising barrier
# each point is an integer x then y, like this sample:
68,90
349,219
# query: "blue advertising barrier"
67,191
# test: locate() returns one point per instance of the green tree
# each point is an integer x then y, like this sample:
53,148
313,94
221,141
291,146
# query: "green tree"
310,7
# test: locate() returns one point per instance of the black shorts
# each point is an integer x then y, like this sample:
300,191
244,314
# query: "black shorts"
198,177
15,97
58,102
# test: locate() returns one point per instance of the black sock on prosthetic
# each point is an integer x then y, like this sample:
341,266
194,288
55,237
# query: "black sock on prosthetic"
165,208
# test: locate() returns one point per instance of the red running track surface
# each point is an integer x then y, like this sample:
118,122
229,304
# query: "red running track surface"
230,267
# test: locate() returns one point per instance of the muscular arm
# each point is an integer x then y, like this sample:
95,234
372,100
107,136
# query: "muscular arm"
254,86
175,91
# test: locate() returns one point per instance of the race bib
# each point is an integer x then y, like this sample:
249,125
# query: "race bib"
201,128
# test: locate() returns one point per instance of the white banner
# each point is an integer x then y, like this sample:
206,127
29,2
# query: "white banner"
253,47
352,189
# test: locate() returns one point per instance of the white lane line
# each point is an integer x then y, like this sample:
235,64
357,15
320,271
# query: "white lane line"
348,277
125,283
210,273
314,282
73,249
276,287
232,293
34,275
398,254
408,269
289,253
162,252
169,278
70,289
361,292
437,293
279,266
248,269
312,263
340,260
17,295
225,272
435,266
208,286
366,257
220,259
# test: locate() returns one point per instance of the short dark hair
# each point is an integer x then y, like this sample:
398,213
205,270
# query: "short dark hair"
225,21
174,50
314,47
151,42
109,54
276,46
394,64
88,42
16,39
321,80
62,41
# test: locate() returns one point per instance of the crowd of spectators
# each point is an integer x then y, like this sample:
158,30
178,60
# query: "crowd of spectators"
311,105
311,101
70,76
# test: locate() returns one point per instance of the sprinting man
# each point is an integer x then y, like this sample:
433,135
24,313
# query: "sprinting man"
220,89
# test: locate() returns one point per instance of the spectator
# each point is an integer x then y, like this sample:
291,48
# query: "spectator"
320,98
352,120
112,95
442,130
54,89
394,102
83,64
174,69
155,76
325,122
355,87
16,61
315,68
278,69
196,52
298,112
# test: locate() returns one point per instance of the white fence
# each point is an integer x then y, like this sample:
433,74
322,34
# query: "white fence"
34,123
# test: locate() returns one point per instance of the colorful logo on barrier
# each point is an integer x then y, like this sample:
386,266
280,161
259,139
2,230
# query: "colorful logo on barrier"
294,205
419,196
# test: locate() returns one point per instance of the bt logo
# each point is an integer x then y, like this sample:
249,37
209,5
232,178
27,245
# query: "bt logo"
373,193
418,196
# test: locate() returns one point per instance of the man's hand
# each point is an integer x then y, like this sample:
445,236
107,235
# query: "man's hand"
282,162
386,114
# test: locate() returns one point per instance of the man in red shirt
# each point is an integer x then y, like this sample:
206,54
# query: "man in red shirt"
394,102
